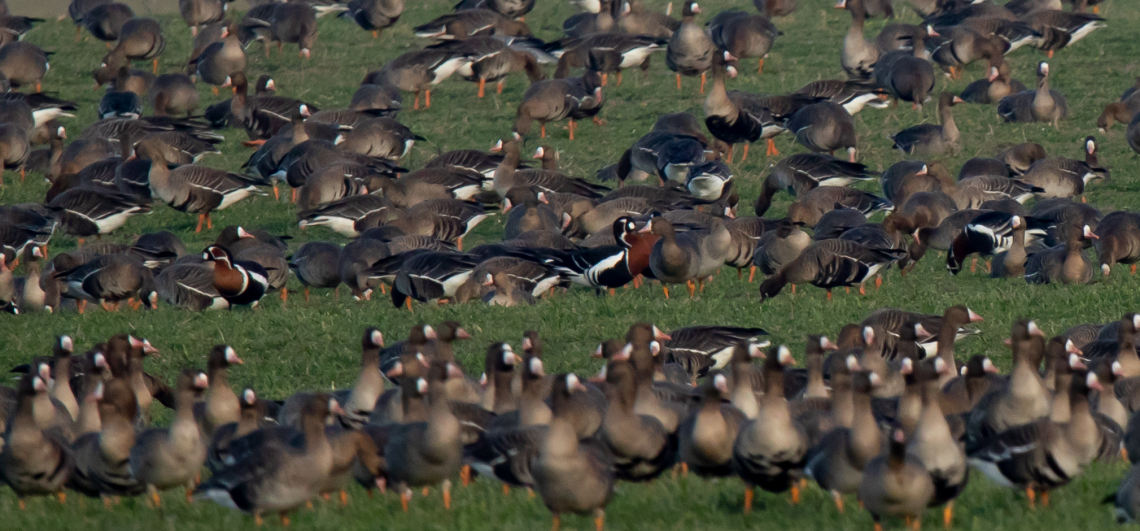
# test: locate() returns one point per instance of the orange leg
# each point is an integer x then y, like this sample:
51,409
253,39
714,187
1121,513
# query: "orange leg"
276,192
294,196
605,78
752,274
571,129
22,506
284,519
306,293
760,69
257,519
447,494
862,290
1029,493
542,131
284,296
201,220
974,264
1133,268
1050,54
459,243
599,122
499,87
215,90
748,495
948,515
81,306
829,295
793,289
745,156
702,82
556,524
375,34
154,69
772,151
405,497
692,291
600,521
409,301
465,475
506,490
209,222
613,292
619,78
1045,499
728,155
795,494
663,286
343,498
416,104
427,99
878,282
838,499
482,84
678,81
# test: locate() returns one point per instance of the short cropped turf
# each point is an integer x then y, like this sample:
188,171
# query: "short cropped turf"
314,345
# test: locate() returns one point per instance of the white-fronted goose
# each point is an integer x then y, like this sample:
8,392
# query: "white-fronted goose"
494,59
14,148
1066,263
197,13
775,8
1127,497
278,476
220,59
769,451
221,405
743,35
505,291
1119,241
897,484
778,247
706,437
828,264
1060,29
606,52
470,22
418,71
102,459
824,126
997,84
422,454
375,15
1044,455
636,19
296,23
1024,401
905,76
164,458
197,189
935,446
961,46
87,212
690,51
838,461
141,39
508,175
315,265
728,120
24,64
350,216
425,275
852,95
1011,263
105,22
990,233
859,55
688,256
933,140
109,280
1063,177
79,9
189,286
642,447
586,24
253,417
809,207
1040,105
35,462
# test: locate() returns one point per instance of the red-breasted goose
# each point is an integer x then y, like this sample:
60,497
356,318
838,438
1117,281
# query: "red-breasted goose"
239,282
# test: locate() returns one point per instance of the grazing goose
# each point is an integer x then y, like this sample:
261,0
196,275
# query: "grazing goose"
495,59
296,23
586,24
1065,263
1119,241
828,264
691,50
35,462
1062,177
375,15
1127,497
222,58
88,211
315,265
238,282
555,99
197,13
1044,455
469,23
141,39
929,140
165,458
23,64
852,95
418,71
897,484
806,171
606,52
809,208
997,84
197,189
743,35
275,475
962,46
421,454
511,9
104,22
350,215
905,76
1040,105
109,280
426,276
859,55
824,126
778,247
505,291
769,451
508,175
189,286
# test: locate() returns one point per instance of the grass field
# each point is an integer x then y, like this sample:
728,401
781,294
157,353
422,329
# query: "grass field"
315,345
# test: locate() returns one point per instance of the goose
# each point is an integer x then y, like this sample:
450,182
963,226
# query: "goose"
496,59
1060,29
263,116
726,119
775,8
743,35
505,291
852,95
1125,498
606,52
24,64
470,22
350,215
105,21
778,247
375,15
932,140
690,51
838,462
197,189
222,58
164,458
315,265
990,233
189,286
85,212
141,39
468,159
810,207
903,37
297,23
897,483
641,446
418,71
1020,403
586,24
240,283
508,175
109,280
859,55
1119,241
962,46
994,87
706,436
511,9
428,276
35,462
277,476
770,449
687,256
636,19
1040,105
1011,263
1044,455
905,76
102,459
1065,263
824,126
197,13
1019,158
830,263
1062,177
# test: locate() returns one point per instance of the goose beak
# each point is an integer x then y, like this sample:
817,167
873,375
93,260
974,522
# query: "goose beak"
993,74
421,386
721,383
659,335
988,366
785,356
597,353
461,334
1089,235
1093,382
974,318
1071,348
930,31
201,381
538,153
488,281
334,407
573,383
826,344
232,357
624,353
497,147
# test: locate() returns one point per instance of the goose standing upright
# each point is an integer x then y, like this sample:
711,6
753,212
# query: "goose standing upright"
1040,105
164,458
859,55
690,51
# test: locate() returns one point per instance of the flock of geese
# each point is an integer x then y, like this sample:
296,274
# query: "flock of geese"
886,413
